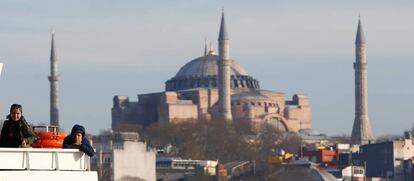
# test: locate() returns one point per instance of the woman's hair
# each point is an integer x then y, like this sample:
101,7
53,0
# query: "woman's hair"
14,107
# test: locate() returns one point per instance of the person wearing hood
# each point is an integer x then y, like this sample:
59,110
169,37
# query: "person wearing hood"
77,140
16,132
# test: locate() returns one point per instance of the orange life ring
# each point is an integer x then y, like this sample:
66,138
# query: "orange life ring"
48,144
51,135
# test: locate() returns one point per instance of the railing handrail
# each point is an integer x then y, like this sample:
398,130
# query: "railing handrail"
48,128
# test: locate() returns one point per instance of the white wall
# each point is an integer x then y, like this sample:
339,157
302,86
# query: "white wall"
48,175
134,161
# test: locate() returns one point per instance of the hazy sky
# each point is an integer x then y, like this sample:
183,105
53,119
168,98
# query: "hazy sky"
130,47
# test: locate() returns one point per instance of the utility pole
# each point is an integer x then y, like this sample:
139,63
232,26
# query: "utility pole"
352,166
365,170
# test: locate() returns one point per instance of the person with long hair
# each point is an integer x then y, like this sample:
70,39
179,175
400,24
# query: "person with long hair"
16,132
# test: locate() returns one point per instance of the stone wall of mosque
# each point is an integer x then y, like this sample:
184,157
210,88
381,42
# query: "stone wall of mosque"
201,104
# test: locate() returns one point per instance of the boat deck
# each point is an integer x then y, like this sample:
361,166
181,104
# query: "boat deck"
44,164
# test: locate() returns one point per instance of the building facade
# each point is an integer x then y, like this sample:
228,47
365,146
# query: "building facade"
121,156
391,160
209,88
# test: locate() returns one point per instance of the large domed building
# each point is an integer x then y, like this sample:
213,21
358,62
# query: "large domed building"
213,87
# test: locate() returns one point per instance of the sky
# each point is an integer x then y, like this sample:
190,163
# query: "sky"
130,47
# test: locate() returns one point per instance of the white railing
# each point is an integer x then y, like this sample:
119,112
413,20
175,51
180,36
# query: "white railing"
43,159
1,67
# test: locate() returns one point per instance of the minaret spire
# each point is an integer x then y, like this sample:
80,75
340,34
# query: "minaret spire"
361,131
360,37
54,85
223,35
205,47
224,64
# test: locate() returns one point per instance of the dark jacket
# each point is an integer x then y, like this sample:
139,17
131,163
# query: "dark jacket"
14,132
85,146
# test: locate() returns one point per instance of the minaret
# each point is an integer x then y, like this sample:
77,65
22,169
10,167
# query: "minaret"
361,132
223,64
54,85
205,47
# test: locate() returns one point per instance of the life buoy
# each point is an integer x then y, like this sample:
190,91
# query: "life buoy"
49,140
48,144
51,135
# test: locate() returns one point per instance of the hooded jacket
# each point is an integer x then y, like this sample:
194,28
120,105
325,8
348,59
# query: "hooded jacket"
85,146
14,132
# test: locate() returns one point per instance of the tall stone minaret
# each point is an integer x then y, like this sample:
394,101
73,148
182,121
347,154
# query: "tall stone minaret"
54,85
361,131
223,64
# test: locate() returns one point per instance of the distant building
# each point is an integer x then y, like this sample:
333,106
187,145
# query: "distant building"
328,158
121,156
173,168
313,137
353,173
199,92
301,170
389,160
336,159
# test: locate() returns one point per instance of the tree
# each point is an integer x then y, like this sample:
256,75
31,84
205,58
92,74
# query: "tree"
345,139
217,140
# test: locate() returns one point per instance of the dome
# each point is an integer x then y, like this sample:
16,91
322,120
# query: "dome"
202,73
251,95
310,132
207,66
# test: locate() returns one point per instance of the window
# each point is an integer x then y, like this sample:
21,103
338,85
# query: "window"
235,83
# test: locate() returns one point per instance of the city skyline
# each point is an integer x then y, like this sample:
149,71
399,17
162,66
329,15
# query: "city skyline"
106,49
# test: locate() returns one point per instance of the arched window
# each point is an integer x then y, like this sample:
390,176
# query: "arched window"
277,123
235,83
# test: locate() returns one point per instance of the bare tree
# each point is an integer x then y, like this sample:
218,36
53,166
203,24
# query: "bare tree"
388,137
217,140
346,139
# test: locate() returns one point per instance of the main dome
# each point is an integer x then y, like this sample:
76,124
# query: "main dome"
202,73
207,66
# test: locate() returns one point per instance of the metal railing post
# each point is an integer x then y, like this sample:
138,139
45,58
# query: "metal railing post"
27,160
56,160
88,163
